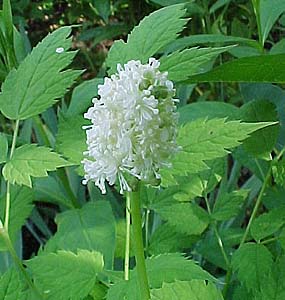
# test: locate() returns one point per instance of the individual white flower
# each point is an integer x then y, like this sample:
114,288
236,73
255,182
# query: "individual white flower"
134,126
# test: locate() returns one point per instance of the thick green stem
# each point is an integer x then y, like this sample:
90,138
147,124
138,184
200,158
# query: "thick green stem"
128,233
5,237
139,247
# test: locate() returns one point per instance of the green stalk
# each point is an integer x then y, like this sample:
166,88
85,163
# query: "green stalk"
138,243
8,196
5,237
128,233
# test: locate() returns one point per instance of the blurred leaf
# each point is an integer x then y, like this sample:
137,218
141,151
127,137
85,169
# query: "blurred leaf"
267,223
31,160
39,79
269,12
141,44
91,227
278,172
103,8
273,286
11,287
75,273
263,68
252,262
166,239
261,142
71,138
228,205
218,4
182,64
3,148
185,290
21,208
82,96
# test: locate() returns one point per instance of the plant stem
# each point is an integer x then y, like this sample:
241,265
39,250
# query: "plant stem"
256,206
128,231
146,229
138,243
5,236
8,195
219,239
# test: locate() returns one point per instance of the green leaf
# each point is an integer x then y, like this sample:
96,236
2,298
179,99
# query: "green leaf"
160,269
185,217
218,4
91,227
185,290
11,285
264,68
31,160
8,21
182,64
103,8
21,208
75,273
166,239
71,138
82,96
267,223
262,142
269,12
203,140
3,148
39,79
252,262
278,172
273,286
228,205
207,109
141,45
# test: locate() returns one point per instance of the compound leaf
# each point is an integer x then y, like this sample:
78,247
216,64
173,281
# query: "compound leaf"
144,41
31,160
39,80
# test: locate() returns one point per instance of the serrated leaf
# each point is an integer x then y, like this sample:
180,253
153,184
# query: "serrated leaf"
267,223
228,205
71,138
273,286
160,269
31,160
182,64
141,45
75,273
166,239
21,208
263,68
262,142
91,227
185,290
185,217
11,285
252,262
3,148
203,140
39,79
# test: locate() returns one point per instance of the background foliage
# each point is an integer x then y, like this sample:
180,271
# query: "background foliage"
216,227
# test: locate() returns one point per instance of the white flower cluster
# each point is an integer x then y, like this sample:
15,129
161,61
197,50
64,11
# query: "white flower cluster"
134,126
